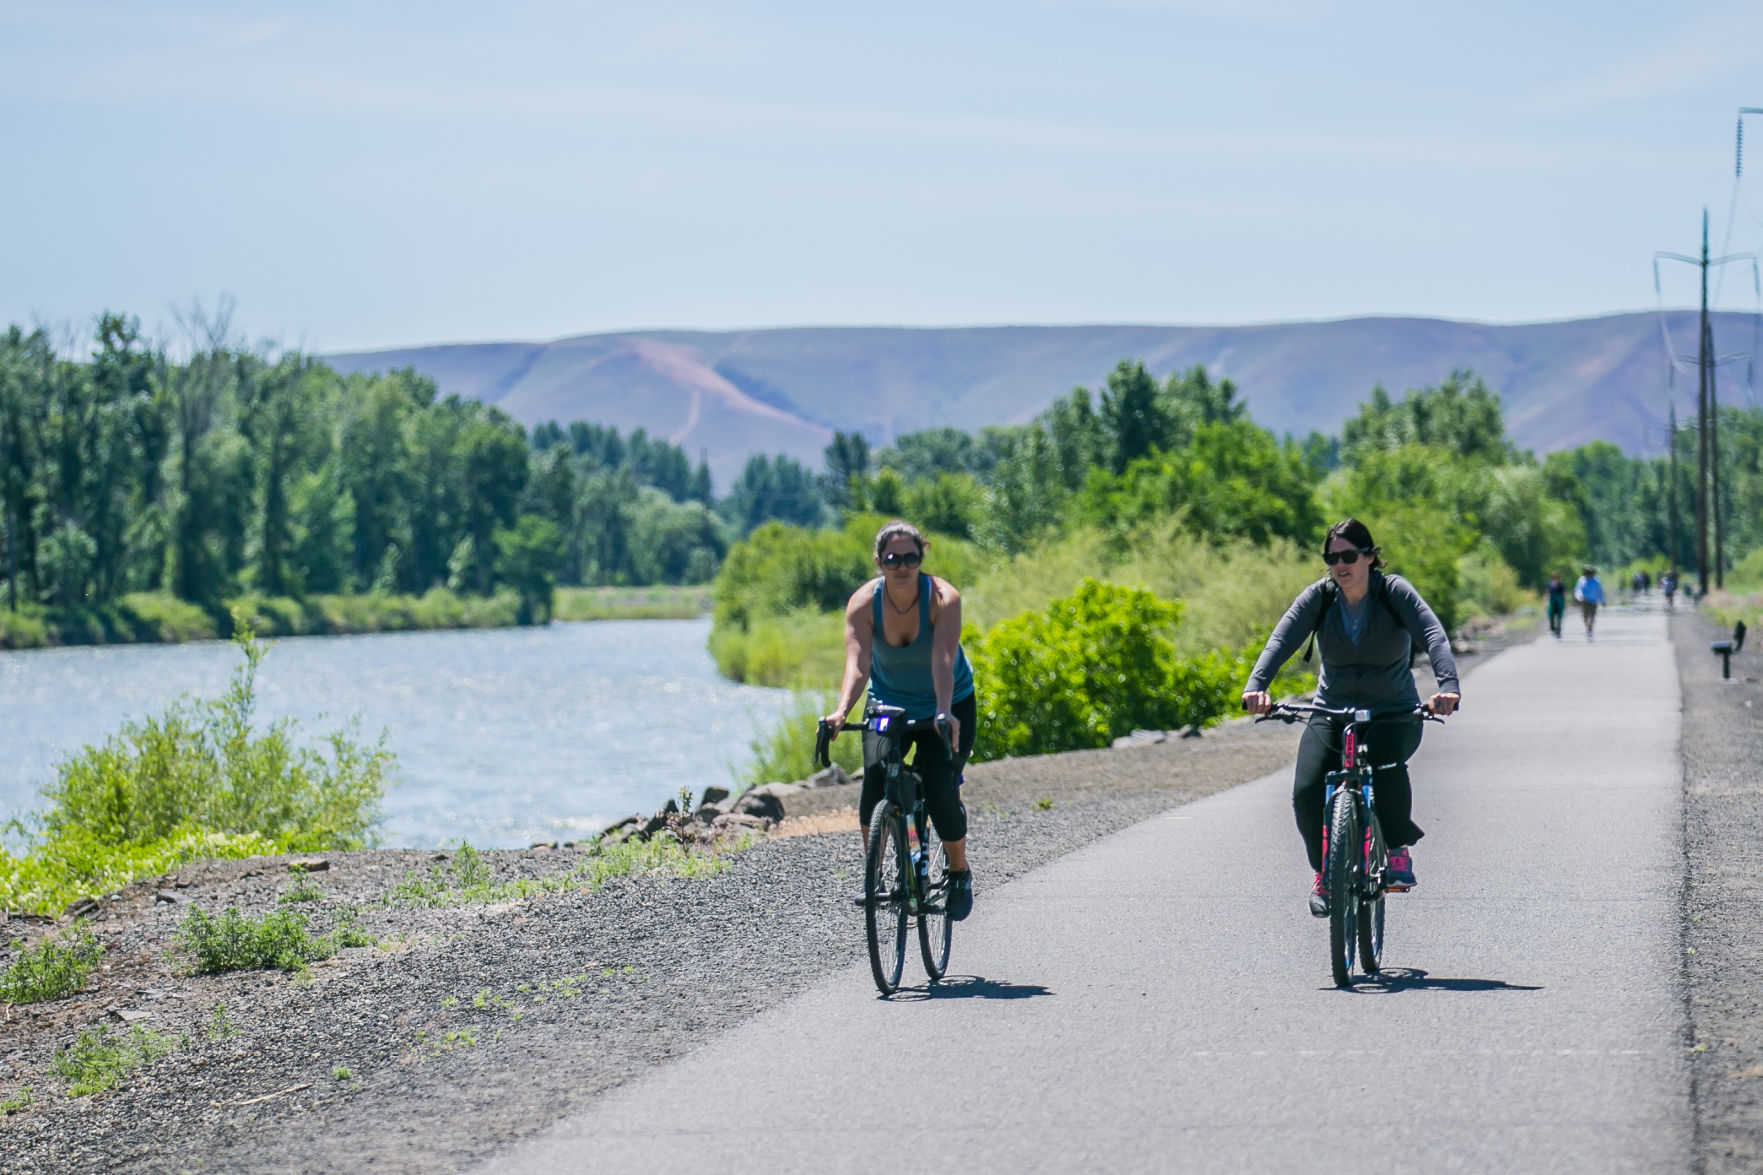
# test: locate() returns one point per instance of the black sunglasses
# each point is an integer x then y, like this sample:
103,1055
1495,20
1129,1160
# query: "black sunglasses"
1347,557
894,559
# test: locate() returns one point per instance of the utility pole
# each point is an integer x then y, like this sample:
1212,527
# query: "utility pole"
1707,426
1671,539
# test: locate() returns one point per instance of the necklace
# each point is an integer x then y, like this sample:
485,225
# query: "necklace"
897,609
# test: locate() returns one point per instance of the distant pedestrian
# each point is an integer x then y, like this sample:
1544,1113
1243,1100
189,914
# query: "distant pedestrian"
1646,582
1668,585
1557,603
1590,593
1637,583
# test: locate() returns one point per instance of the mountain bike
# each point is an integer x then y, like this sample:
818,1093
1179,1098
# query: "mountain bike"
1355,860
905,870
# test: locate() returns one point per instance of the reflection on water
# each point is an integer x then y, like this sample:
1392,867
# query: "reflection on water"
503,736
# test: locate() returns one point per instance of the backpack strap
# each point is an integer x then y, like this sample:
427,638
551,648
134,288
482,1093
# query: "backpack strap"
1382,593
1329,591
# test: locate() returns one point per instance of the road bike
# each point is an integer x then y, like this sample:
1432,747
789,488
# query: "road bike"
905,869
1355,860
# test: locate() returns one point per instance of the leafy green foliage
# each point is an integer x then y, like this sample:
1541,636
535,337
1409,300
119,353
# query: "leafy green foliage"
53,969
198,780
1091,667
785,753
280,940
97,1060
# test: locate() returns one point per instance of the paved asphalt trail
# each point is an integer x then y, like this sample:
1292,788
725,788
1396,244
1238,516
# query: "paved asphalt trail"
1160,1001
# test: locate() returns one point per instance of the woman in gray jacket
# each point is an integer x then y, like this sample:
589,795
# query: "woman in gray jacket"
1367,625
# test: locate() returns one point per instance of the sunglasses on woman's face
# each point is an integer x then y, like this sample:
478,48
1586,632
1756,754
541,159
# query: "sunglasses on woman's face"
1347,557
894,559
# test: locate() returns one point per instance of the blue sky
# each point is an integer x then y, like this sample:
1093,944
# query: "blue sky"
370,174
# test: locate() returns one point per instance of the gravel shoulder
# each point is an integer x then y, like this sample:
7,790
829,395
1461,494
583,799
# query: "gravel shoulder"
1723,916
467,1027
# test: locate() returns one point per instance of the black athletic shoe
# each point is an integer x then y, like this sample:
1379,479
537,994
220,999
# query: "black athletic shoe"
1318,898
958,899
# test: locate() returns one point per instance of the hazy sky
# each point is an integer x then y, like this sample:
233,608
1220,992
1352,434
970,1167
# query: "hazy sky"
368,174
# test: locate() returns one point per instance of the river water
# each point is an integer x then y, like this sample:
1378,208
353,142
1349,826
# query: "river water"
504,737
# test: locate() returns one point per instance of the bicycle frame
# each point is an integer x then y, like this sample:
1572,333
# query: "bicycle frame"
902,800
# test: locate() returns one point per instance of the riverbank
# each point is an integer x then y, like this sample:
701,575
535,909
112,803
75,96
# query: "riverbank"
160,618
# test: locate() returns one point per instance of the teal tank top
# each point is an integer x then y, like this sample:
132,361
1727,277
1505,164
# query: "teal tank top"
901,677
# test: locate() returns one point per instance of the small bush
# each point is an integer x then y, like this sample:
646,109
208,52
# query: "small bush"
97,1060
803,649
348,931
303,889
18,1101
786,753
660,602
53,969
234,942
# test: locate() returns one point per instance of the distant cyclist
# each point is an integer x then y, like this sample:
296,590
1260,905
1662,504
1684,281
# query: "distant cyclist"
1668,585
919,666
1589,591
1366,625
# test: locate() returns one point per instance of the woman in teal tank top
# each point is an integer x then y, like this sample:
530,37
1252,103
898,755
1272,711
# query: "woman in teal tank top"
903,641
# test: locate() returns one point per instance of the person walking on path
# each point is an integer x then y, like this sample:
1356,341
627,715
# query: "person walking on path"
1668,585
1367,625
1590,593
1557,603
903,641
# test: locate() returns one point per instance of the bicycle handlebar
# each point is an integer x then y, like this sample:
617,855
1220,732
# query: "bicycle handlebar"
882,724
1289,712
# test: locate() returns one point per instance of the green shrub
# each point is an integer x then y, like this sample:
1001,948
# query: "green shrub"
303,889
53,969
661,602
1090,668
97,1060
279,940
197,781
1487,585
786,752
803,649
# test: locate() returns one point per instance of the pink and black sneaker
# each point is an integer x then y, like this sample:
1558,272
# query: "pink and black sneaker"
1318,898
1400,877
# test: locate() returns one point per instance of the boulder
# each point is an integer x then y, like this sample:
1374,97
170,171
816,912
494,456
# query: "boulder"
713,795
1191,731
79,908
780,790
706,813
1140,738
834,776
656,822
627,822
669,808
739,820
310,865
760,802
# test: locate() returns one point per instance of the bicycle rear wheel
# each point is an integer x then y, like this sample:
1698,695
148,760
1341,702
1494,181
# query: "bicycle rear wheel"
1371,908
884,907
934,927
1344,851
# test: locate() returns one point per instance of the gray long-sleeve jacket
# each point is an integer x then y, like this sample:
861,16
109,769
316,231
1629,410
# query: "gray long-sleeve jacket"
1374,672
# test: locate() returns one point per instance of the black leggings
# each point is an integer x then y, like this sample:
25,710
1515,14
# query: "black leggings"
1319,752
941,774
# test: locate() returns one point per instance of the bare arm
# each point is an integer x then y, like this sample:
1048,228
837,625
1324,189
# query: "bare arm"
945,642
859,641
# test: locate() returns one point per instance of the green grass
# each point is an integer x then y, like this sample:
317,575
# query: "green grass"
158,617
53,969
340,1073
468,880
662,602
232,941
17,1101
802,649
97,1060
785,752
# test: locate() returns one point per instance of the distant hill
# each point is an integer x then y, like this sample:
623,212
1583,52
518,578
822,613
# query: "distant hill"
733,393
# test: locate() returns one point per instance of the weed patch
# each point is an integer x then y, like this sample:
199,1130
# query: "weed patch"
304,889
17,1101
234,942
467,878
97,1060
220,1025
53,969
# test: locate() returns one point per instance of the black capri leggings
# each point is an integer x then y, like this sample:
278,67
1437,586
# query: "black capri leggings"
941,774
1319,752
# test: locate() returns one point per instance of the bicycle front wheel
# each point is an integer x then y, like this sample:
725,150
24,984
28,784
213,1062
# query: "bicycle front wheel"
934,927
884,906
1344,850
1371,899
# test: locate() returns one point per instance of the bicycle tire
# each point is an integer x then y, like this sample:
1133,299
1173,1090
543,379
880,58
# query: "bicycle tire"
1371,908
935,930
1343,892
884,906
